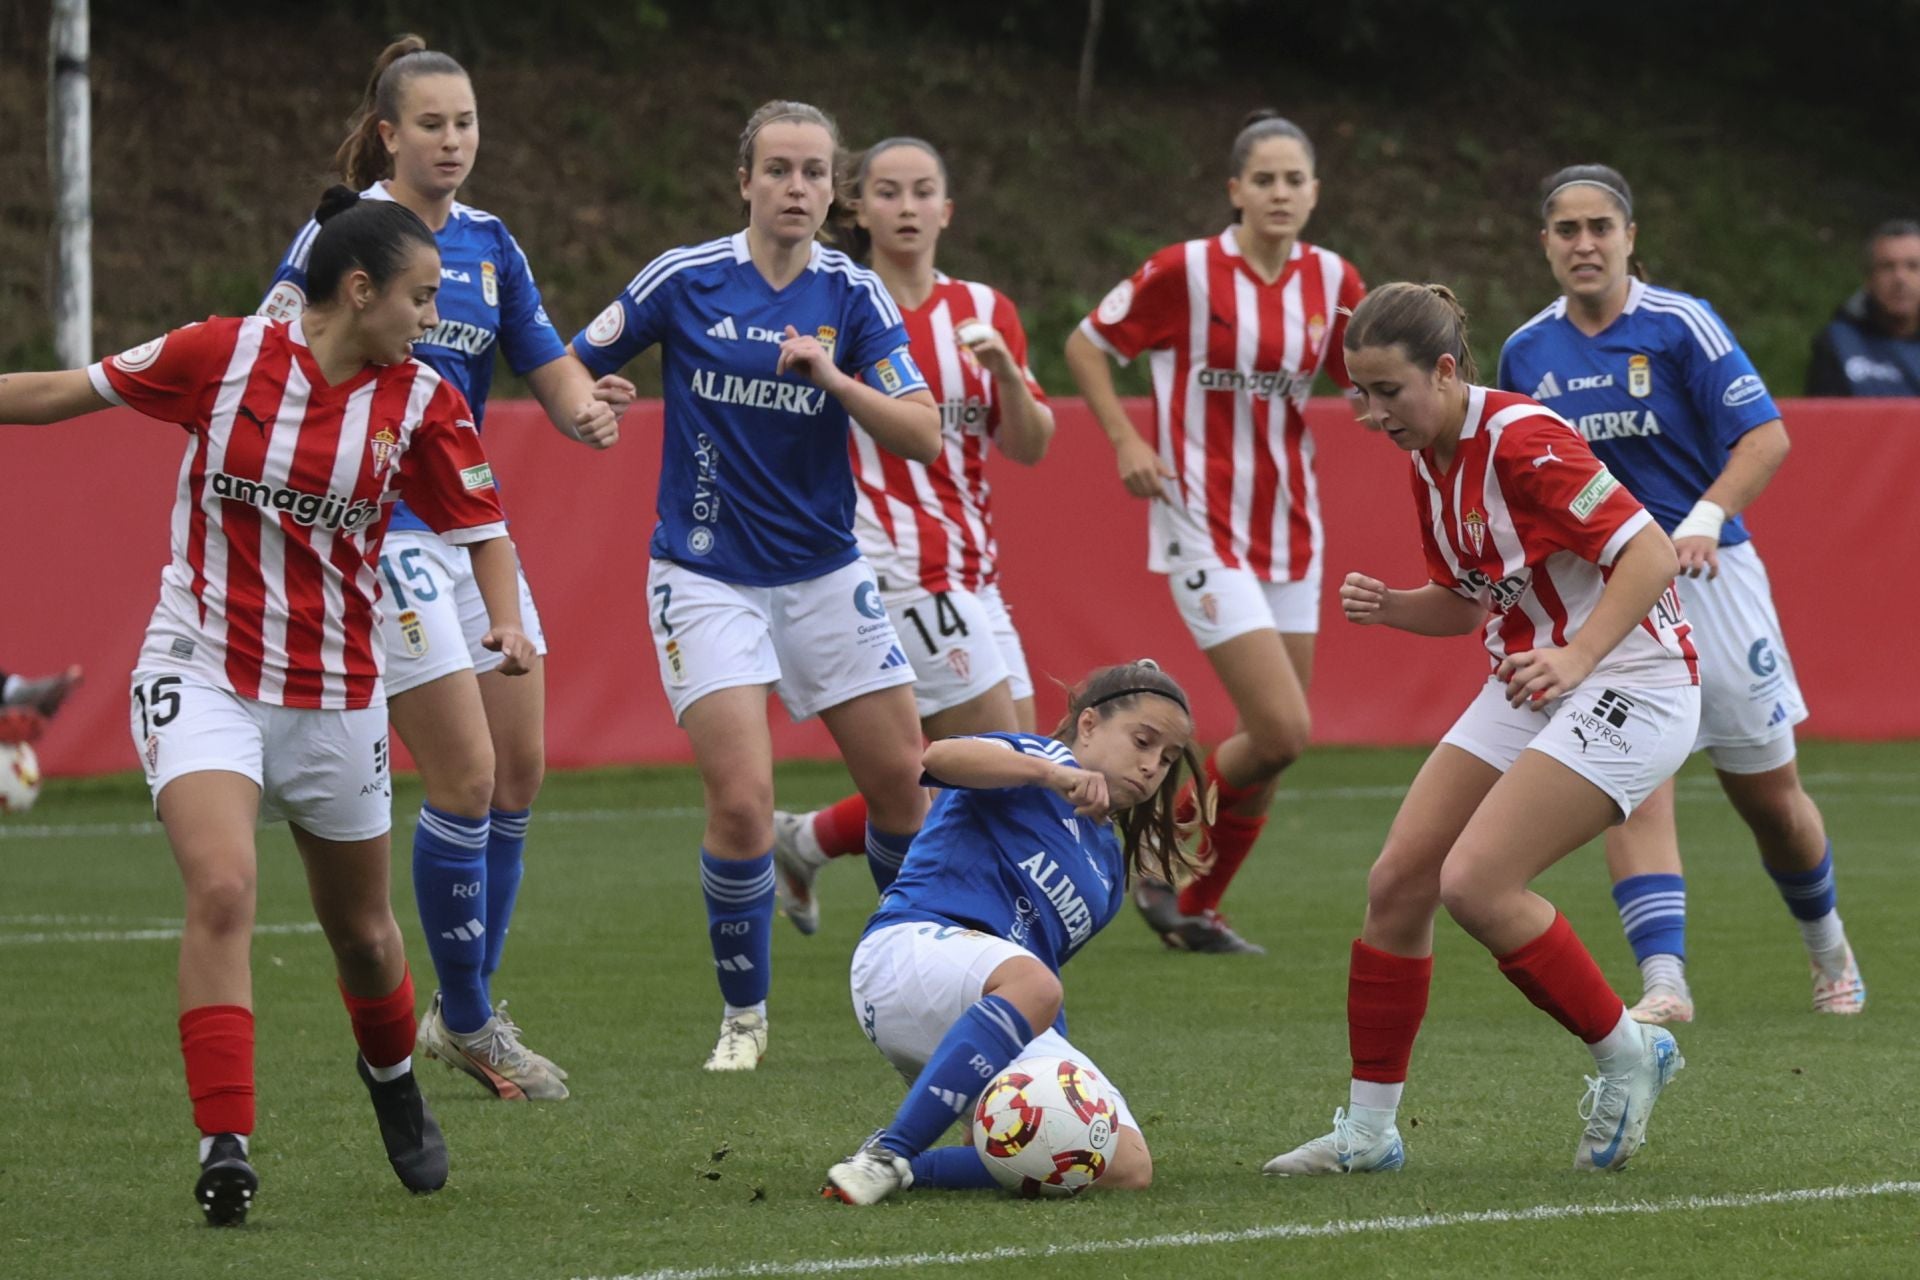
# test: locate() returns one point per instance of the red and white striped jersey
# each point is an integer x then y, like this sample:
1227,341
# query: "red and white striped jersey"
1528,522
1233,360
272,589
930,524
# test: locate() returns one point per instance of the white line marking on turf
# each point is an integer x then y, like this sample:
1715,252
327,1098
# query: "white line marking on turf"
140,935
1279,1231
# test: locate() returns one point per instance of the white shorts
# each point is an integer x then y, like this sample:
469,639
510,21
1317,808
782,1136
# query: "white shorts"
323,771
911,982
1749,698
819,643
1012,652
956,645
432,616
1625,741
1219,604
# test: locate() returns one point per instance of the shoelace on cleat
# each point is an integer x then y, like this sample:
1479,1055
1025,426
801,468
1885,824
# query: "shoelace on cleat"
1344,1142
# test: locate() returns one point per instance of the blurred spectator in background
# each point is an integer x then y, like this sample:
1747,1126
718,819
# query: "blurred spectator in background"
27,704
1872,345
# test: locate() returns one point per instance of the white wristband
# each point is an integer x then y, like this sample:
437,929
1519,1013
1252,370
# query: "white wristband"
1703,521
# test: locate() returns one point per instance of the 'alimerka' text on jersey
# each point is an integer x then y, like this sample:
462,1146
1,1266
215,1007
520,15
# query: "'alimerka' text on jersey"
755,486
930,524
487,297
1662,394
1233,360
1014,862
1528,523
272,587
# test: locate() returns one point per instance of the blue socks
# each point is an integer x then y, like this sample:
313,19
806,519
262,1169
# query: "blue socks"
951,1169
450,887
740,925
885,853
1809,895
1653,910
975,1049
506,845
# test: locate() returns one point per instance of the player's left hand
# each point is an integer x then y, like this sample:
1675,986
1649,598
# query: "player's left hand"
512,643
990,349
1540,675
616,391
597,424
1697,556
802,354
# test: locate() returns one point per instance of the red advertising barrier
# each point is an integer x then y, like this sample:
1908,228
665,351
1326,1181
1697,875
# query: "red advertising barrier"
86,506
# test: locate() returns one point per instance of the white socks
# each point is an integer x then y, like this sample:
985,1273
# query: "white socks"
1666,971
1826,942
736,1011
394,1072
246,1146
1621,1049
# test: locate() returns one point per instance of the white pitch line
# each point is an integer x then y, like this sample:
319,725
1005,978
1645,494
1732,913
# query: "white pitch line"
1278,1231
140,935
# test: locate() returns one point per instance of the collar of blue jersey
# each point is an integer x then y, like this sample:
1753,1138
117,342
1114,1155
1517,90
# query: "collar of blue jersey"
742,254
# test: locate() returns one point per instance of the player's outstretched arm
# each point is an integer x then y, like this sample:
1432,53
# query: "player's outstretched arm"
1642,572
989,764
1142,469
579,408
496,574
35,399
1429,610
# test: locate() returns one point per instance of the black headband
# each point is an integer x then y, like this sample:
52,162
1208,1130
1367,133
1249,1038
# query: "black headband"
1168,694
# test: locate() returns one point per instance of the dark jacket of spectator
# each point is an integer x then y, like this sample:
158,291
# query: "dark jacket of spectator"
1856,355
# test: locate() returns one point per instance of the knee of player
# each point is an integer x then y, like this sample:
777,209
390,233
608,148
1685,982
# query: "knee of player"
1132,1168
1281,742
222,902
366,941
1465,891
740,816
1777,810
1400,879
517,775
466,790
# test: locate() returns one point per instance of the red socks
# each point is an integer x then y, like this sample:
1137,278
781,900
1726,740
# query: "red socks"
217,1042
841,828
383,1026
1557,973
1386,1001
1230,839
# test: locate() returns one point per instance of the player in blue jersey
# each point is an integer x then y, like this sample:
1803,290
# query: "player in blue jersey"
477,737
1671,404
770,346
1025,857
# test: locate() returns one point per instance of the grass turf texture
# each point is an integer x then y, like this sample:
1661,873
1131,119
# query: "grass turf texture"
656,1164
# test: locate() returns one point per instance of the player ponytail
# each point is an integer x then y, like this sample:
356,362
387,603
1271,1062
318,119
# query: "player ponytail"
362,158
1150,838
1259,125
374,236
1607,179
843,226
1424,320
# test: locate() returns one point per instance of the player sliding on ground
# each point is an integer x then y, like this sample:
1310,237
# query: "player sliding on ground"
1593,701
1025,857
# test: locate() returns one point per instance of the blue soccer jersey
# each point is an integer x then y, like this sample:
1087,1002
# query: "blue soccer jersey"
1662,394
1014,862
756,486
487,295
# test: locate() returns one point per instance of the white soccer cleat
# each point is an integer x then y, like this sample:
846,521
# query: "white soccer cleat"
743,1042
1617,1107
1661,1005
1844,992
869,1175
500,1012
794,885
1348,1149
493,1055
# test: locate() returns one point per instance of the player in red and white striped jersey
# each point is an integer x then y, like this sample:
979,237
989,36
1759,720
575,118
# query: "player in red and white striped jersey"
1236,328
927,528
257,693
1593,702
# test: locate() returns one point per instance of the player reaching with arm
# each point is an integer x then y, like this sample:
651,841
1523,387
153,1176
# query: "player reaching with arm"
772,347
927,528
1592,703
257,693
477,737
1671,404
1236,328
1025,857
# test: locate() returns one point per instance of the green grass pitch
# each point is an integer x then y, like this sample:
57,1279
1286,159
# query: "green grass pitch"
655,1166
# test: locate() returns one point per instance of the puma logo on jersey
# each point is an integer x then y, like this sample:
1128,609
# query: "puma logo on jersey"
254,418
1548,456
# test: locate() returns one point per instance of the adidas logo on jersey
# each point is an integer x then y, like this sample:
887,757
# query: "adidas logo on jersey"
954,1101
894,658
724,329
1549,387
465,932
735,964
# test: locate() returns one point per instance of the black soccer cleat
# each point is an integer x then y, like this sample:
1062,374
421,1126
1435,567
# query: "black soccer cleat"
227,1183
415,1147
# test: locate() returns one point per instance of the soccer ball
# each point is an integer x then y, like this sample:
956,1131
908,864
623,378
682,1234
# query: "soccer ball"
1046,1127
19,777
